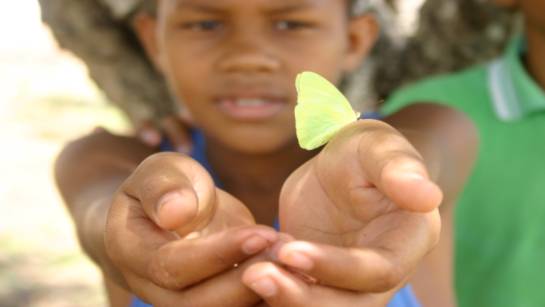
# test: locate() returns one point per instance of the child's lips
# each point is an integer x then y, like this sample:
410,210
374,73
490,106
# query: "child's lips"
251,109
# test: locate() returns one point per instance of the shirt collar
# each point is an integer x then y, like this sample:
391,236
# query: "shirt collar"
514,93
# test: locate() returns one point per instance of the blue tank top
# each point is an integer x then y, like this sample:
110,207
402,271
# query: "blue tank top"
403,298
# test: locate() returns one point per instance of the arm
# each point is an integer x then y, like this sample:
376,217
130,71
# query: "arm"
367,211
161,229
448,142
88,172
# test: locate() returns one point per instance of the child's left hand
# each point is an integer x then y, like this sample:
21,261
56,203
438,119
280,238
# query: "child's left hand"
369,206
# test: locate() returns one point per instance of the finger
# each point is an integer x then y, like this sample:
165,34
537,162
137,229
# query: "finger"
129,229
396,168
354,269
175,191
389,255
185,262
279,288
185,117
275,285
178,133
173,263
225,289
148,134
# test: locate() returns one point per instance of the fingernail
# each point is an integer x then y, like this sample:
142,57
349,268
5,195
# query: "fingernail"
184,149
269,235
274,250
408,171
297,260
254,244
169,198
265,287
150,137
414,176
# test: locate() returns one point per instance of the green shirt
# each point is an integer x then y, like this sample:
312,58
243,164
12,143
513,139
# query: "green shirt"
500,216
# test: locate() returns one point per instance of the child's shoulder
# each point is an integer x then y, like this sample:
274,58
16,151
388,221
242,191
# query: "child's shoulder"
103,142
100,148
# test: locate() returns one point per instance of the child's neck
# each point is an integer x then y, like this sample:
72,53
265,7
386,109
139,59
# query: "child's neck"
256,179
535,59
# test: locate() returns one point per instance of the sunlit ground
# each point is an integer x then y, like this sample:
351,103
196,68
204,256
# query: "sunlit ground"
46,99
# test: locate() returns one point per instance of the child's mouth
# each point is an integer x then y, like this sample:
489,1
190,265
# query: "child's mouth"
251,108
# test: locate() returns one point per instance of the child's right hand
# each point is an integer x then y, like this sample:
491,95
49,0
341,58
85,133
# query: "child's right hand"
175,127
176,238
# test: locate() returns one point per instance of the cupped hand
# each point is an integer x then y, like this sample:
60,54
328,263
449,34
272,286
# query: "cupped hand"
363,213
180,241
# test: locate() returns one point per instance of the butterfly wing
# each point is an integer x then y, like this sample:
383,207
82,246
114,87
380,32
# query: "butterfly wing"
321,111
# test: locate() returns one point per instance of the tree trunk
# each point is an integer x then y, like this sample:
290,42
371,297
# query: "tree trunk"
102,37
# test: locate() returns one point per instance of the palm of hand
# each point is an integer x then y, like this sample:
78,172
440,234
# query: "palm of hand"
331,200
228,212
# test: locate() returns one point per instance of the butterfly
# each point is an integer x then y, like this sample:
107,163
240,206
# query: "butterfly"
321,111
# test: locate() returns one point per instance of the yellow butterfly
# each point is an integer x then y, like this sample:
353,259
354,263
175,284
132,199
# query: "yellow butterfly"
321,111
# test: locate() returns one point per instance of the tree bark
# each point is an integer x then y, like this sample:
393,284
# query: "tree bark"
99,33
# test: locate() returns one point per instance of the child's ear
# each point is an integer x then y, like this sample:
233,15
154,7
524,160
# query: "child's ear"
362,35
144,26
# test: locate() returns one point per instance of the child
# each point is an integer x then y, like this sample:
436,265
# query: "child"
365,201
499,235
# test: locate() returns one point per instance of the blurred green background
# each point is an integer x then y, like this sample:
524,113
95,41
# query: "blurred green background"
46,99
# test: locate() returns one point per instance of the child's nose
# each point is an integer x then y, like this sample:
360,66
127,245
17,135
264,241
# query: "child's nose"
248,52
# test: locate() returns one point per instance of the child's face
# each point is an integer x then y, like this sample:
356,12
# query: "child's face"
233,62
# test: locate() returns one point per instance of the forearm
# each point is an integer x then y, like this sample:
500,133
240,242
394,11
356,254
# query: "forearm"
117,295
90,213
436,270
446,140
88,173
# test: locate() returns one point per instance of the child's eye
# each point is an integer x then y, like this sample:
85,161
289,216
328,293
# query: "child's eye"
290,25
203,25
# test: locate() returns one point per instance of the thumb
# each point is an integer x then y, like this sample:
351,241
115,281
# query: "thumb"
405,181
394,166
175,192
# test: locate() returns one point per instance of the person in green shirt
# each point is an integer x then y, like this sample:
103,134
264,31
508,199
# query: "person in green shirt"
499,233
